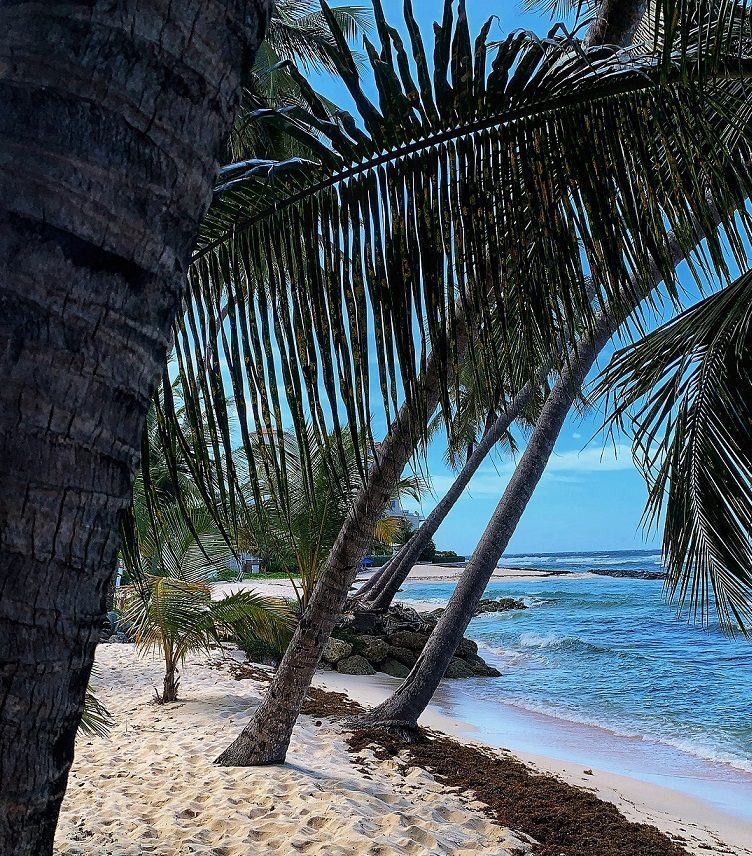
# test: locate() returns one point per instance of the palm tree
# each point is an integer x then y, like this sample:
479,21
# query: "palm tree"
172,611
400,712
299,525
107,170
479,425
507,146
684,391
298,33
378,593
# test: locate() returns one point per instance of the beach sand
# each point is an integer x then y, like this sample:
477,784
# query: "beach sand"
420,573
152,787
703,827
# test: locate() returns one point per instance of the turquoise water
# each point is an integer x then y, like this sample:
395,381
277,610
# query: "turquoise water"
610,653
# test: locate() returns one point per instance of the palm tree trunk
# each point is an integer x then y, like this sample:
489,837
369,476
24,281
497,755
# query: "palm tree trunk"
400,712
266,737
382,593
113,116
170,684
615,22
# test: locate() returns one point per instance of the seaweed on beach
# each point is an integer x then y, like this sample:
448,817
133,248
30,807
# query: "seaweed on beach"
563,819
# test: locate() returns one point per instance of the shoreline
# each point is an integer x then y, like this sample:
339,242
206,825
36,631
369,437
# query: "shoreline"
704,824
153,787
699,796
419,574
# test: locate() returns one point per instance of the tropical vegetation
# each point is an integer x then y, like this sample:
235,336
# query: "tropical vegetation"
452,257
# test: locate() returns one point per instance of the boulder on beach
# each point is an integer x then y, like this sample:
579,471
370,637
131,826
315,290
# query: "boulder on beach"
402,655
373,648
408,639
393,667
466,648
355,665
458,668
480,667
336,650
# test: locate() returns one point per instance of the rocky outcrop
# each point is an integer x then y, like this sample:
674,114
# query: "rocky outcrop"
501,604
393,667
335,650
629,575
355,665
408,639
391,642
458,668
373,648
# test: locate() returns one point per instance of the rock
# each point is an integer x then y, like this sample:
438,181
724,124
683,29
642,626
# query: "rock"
466,648
629,575
373,648
362,621
401,617
408,639
480,667
394,668
458,669
355,665
402,655
336,650
503,604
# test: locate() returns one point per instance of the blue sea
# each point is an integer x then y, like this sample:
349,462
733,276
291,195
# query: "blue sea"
606,672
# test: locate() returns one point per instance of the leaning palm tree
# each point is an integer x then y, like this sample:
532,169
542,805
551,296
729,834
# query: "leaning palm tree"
298,525
173,611
479,426
482,177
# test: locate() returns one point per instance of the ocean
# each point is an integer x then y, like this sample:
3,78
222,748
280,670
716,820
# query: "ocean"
608,673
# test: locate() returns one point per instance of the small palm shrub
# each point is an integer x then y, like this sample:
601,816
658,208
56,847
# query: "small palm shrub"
171,610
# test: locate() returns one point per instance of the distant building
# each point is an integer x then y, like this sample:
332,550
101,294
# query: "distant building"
395,509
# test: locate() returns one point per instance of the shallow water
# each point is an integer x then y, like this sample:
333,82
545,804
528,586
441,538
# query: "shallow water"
609,653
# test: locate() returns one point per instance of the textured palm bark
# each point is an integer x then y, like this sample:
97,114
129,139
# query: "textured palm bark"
267,736
400,712
382,593
113,117
615,22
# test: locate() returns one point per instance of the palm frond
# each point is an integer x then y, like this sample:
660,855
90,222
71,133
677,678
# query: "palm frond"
685,391
516,197
96,720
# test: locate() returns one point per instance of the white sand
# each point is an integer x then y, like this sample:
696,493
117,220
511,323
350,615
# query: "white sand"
152,788
703,827
420,573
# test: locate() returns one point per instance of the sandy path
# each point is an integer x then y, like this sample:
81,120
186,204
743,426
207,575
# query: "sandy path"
152,787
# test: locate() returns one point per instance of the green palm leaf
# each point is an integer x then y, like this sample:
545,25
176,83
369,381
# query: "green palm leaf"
685,391
513,191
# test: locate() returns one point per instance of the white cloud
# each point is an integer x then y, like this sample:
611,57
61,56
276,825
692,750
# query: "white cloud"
594,459
563,467
576,435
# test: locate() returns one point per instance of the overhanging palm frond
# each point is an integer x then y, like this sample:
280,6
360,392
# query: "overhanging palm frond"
505,197
96,720
685,391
